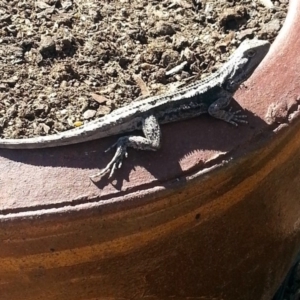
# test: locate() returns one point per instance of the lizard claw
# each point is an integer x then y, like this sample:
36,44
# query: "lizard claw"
236,118
99,174
111,147
116,161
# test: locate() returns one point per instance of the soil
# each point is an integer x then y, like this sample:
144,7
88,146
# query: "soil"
66,62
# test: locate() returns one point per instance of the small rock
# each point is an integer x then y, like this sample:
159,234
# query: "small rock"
188,54
11,81
163,28
247,33
88,114
63,112
45,127
47,46
66,4
12,28
103,110
279,15
63,19
67,44
267,3
232,17
5,18
41,110
18,123
180,42
45,12
271,27
169,56
160,76
146,66
3,86
99,98
41,4
38,129
52,95
63,84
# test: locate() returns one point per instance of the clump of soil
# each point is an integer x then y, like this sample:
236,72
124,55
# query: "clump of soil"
65,62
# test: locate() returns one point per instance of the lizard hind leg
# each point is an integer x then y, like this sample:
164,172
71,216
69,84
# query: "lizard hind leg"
151,141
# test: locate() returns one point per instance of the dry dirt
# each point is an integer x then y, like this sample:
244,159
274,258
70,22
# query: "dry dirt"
65,62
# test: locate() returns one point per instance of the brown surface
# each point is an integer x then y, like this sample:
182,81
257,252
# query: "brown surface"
229,234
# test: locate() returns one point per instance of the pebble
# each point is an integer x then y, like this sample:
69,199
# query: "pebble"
88,114
47,45
163,28
103,110
247,33
272,26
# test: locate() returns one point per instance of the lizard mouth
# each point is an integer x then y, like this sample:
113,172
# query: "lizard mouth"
251,54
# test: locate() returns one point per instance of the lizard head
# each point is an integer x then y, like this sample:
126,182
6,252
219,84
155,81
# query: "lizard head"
244,61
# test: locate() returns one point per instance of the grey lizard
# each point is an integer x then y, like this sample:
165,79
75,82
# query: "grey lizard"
210,95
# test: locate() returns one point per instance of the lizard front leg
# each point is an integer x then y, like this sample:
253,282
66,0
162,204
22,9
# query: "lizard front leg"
217,110
151,141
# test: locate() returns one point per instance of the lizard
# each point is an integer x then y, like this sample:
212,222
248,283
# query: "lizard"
210,95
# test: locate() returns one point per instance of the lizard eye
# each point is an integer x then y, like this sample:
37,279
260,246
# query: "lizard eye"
251,53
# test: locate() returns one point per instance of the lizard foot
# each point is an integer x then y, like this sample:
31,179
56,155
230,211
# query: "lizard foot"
234,117
116,161
151,142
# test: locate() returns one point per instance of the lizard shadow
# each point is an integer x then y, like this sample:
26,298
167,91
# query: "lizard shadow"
199,138
204,135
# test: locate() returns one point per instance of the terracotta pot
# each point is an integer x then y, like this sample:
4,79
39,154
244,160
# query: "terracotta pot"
214,215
